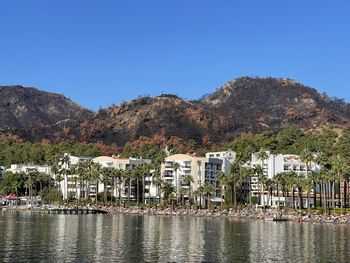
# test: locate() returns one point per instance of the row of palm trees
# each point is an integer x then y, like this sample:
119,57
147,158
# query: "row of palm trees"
29,182
329,182
89,174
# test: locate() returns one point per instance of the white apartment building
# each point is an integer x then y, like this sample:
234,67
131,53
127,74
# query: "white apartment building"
274,164
227,157
125,164
23,168
202,170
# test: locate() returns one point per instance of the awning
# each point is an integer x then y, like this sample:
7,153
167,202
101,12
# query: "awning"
11,197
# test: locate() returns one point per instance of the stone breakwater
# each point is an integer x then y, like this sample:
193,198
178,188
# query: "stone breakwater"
239,214
242,214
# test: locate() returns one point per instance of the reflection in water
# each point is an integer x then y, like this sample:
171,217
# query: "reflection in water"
36,237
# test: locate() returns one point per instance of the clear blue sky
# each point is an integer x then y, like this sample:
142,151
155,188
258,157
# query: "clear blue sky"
103,52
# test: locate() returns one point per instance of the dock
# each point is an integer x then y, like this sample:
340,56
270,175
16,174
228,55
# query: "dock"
76,211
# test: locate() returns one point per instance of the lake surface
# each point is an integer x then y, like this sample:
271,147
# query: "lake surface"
37,237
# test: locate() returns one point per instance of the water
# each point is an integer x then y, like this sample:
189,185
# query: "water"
36,237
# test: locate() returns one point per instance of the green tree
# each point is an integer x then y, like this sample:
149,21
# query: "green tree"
176,167
187,180
307,157
207,189
340,168
221,178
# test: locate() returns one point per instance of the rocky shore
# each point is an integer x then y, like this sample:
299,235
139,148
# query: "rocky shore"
239,214
269,214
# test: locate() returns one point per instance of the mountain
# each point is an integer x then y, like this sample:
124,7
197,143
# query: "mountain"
240,106
167,115
30,113
256,104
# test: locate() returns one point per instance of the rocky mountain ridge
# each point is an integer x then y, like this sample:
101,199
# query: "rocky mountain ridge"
244,105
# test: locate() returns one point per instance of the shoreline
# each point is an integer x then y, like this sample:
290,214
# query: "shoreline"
271,215
240,214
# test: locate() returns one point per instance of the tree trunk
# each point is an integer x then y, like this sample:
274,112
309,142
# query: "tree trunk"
234,196
105,192
129,192
208,198
315,198
300,192
325,197
87,190
137,191
308,201
333,195
341,195
96,195
143,190
250,190
278,196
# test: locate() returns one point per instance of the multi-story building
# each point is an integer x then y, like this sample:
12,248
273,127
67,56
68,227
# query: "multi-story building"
126,164
23,168
227,157
273,165
202,170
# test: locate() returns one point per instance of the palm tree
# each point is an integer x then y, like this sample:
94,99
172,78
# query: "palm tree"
42,178
128,176
94,174
321,177
188,180
340,168
176,167
299,185
221,178
64,163
144,170
137,174
195,194
182,192
80,171
308,185
31,174
259,172
263,182
269,185
250,174
89,171
158,181
290,182
55,170
307,157
242,157
168,190
107,175
207,189
262,156
118,174
232,182
279,182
